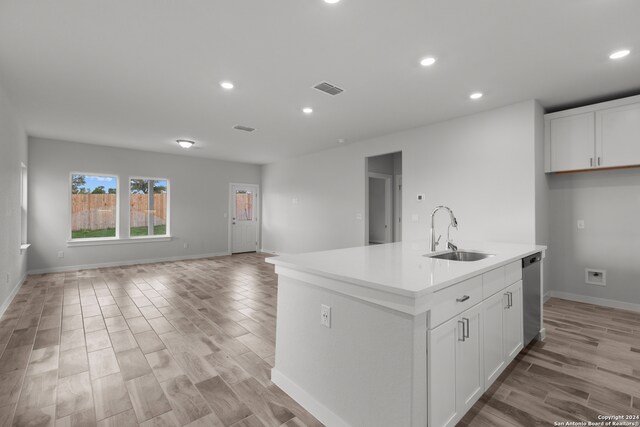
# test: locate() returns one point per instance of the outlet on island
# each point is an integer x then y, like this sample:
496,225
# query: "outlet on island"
325,315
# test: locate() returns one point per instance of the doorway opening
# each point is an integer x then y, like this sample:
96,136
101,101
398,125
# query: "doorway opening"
383,199
243,221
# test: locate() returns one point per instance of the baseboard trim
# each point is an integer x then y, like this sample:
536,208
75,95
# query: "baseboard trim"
596,301
124,263
307,401
12,295
268,251
546,296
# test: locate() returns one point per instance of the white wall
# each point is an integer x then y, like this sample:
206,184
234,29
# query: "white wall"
199,199
609,203
482,166
13,152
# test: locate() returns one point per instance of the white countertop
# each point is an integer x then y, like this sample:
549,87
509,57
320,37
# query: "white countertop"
400,268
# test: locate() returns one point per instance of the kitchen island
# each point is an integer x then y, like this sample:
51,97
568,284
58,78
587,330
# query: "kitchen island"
384,336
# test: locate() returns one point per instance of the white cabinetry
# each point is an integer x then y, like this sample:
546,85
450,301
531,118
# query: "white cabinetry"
572,142
604,135
513,331
494,352
618,136
467,352
455,367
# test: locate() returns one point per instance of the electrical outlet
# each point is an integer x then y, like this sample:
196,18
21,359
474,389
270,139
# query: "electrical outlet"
186,245
580,224
325,315
60,254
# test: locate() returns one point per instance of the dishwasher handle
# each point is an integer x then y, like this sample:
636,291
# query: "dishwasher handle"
531,260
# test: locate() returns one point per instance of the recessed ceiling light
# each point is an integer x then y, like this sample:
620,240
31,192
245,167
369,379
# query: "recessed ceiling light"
331,1
428,61
619,54
476,95
226,85
342,141
307,110
185,143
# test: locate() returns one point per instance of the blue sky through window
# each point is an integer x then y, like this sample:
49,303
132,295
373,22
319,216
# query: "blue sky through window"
93,181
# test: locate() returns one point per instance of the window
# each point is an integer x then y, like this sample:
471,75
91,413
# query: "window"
148,201
244,205
24,197
94,206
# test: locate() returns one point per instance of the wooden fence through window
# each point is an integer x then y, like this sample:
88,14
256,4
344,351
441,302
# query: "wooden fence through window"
98,211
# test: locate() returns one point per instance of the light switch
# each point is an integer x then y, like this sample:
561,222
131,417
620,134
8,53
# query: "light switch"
359,216
295,201
580,224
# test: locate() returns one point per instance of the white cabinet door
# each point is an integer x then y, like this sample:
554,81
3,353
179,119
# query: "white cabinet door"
469,366
572,142
618,136
442,373
513,331
493,346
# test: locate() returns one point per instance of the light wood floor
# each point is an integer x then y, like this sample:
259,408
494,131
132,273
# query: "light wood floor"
192,343
588,365
168,344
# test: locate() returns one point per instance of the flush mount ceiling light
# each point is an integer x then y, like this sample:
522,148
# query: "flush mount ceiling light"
226,85
332,1
619,54
342,141
307,110
428,61
185,143
476,95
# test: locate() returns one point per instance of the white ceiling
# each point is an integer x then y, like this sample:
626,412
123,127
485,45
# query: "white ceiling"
144,73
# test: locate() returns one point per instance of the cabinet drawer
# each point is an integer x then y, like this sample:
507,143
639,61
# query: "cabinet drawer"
493,281
513,272
455,299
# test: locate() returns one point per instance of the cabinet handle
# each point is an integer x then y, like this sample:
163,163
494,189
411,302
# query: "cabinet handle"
463,299
466,335
506,294
598,160
460,322
510,298
591,161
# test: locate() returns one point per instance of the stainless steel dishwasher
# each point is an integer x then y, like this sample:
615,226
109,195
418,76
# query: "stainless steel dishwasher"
531,296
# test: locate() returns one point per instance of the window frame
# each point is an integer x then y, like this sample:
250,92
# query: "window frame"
167,235
24,207
92,240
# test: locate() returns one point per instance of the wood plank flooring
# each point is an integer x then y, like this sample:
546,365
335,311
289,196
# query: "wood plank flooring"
170,344
588,365
191,343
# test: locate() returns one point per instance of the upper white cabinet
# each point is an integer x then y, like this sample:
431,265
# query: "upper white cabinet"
603,135
618,136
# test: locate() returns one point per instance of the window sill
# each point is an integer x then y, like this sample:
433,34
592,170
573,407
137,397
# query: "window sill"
24,247
116,241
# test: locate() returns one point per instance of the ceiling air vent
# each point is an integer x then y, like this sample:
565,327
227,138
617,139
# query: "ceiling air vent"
244,128
328,88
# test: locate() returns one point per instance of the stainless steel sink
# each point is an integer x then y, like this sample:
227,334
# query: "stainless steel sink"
460,255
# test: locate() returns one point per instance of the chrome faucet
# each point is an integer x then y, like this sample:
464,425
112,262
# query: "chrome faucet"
454,223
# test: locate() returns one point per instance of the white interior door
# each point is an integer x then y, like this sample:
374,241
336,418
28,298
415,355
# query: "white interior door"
397,217
380,208
244,218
